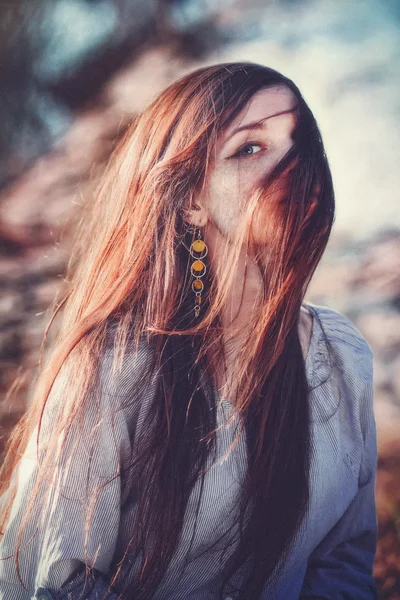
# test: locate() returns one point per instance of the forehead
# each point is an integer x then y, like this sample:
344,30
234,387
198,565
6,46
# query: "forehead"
265,103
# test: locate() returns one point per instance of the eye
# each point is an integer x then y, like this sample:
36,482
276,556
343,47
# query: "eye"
246,150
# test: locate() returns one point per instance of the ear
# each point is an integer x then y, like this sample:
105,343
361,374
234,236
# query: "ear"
197,213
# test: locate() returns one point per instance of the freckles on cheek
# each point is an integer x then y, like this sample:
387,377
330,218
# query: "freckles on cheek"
225,201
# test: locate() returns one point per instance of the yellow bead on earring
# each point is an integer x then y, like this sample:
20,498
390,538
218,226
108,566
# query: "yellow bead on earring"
198,250
199,245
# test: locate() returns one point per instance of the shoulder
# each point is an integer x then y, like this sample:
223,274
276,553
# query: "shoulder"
124,361
348,358
126,377
344,344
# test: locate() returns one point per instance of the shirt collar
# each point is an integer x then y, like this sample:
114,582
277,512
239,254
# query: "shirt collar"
324,398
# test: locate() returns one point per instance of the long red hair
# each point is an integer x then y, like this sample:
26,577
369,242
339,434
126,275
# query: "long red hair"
129,274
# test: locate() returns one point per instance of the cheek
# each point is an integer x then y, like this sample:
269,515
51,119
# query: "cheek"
230,186
228,190
270,213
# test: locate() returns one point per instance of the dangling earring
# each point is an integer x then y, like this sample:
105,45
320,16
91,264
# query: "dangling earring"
198,250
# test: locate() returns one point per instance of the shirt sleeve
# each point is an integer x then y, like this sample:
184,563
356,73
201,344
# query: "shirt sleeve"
341,566
88,460
94,587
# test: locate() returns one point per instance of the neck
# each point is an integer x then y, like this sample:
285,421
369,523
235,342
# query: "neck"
242,299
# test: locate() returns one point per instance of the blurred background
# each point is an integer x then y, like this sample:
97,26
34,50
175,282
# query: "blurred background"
73,74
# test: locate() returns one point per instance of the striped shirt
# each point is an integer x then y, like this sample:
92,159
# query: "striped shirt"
335,545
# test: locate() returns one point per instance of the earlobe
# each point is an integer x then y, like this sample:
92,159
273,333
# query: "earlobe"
190,216
196,215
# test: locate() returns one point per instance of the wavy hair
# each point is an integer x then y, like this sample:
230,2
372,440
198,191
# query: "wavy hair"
129,273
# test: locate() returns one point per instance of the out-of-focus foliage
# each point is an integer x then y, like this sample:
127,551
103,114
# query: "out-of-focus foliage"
56,55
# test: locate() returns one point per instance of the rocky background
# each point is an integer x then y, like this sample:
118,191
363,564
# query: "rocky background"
74,72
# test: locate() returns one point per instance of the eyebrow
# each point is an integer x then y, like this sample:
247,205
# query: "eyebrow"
260,123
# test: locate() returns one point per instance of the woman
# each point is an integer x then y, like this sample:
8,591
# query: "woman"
208,434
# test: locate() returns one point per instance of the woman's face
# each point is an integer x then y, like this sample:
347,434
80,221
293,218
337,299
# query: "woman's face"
250,147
